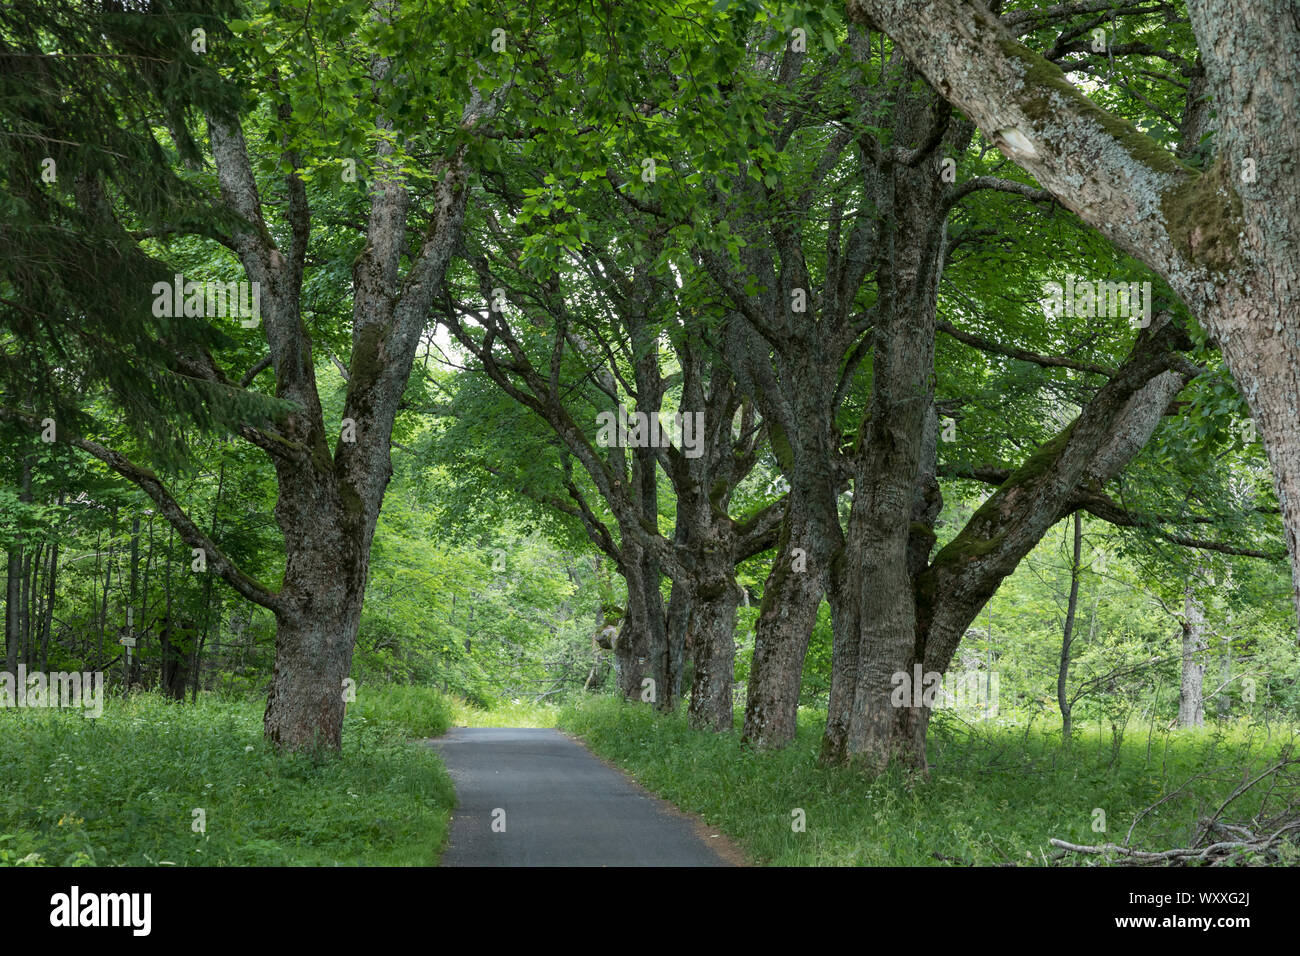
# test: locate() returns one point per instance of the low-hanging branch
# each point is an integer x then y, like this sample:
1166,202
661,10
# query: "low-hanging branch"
150,484
1023,355
1103,506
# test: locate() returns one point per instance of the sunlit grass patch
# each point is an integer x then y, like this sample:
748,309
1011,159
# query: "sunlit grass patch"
504,713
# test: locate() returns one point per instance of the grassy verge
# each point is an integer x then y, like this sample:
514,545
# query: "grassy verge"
123,789
404,711
507,713
996,794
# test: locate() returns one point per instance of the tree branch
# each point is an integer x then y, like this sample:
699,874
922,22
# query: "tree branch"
149,483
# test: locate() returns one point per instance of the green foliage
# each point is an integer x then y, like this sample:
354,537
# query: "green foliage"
483,588
96,103
504,713
404,710
120,790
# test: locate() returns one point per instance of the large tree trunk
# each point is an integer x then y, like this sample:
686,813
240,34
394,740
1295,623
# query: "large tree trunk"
845,631
898,452
318,618
952,589
329,501
791,596
792,389
313,654
658,658
713,623
679,622
632,646
709,543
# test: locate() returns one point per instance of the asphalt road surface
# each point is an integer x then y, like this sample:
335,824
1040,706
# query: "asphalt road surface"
532,797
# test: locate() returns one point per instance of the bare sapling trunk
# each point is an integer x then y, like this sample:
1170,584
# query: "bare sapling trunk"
1191,690
1067,633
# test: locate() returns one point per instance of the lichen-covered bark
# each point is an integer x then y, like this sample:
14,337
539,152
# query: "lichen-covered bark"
710,543
791,595
896,498
713,624
796,397
890,459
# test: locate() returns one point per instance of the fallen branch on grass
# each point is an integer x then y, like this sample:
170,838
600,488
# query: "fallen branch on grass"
1265,841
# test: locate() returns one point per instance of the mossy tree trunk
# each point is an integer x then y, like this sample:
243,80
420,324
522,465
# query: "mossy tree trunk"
796,396
895,460
709,542
792,594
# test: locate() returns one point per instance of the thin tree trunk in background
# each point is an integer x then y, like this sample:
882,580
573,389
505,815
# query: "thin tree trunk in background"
27,600
207,585
1224,703
177,638
94,595
25,496
143,610
1067,635
51,591
13,592
170,664
1191,697
133,623
13,584
103,608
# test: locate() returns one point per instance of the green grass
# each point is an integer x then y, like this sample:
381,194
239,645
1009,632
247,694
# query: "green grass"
404,710
121,790
996,793
506,713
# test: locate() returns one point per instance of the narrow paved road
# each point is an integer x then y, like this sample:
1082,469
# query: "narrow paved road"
558,805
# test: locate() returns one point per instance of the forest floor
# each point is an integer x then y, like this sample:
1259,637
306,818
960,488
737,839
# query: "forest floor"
153,783
996,795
